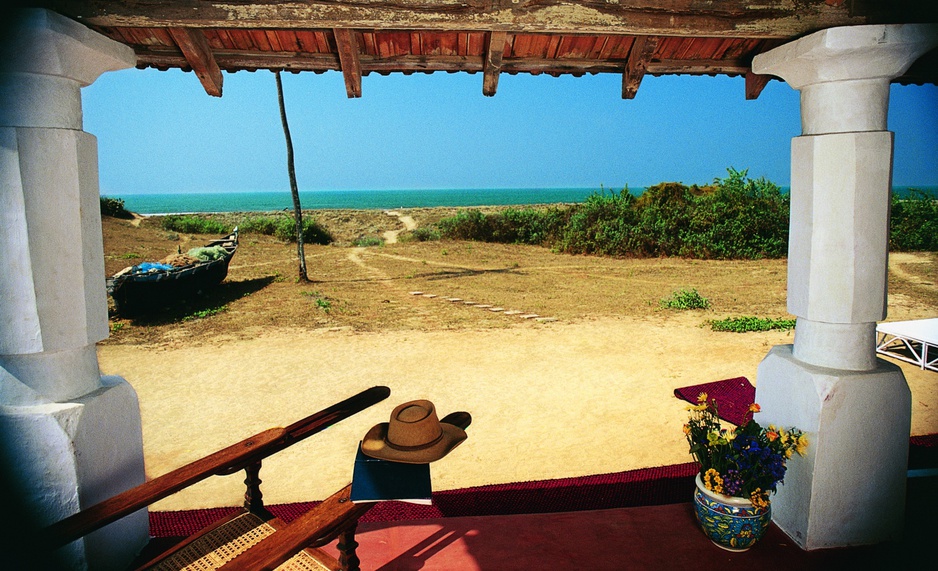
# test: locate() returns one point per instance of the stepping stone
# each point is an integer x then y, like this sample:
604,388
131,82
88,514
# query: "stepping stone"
512,312
530,316
454,299
416,293
497,309
483,306
545,319
430,295
469,302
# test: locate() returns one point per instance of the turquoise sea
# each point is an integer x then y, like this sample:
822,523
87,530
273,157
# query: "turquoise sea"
355,199
174,203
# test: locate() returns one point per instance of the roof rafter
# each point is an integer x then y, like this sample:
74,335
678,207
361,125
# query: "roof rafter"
493,62
198,54
755,83
347,45
642,49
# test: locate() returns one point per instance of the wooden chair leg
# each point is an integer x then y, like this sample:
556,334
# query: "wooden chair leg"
348,559
253,498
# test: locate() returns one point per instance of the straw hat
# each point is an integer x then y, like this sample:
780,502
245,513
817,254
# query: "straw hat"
414,435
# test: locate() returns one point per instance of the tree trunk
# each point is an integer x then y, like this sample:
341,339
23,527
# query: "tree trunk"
297,210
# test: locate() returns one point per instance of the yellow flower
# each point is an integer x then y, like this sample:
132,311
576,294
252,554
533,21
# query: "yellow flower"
759,498
702,397
686,429
755,408
801,444
713,481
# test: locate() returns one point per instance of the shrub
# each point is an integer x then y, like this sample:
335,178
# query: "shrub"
114,207
741,218
425,234
914,222
193,224
602,224
685,299
313,233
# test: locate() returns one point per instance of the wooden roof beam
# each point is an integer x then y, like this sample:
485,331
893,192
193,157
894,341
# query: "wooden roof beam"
689,18
639,56
198,54
349,61
493,62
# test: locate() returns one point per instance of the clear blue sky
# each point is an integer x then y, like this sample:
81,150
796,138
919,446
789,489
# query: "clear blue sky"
160,132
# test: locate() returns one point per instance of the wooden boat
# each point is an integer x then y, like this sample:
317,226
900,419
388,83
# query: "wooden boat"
150,287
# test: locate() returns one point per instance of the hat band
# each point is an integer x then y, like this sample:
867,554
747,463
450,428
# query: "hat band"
403,448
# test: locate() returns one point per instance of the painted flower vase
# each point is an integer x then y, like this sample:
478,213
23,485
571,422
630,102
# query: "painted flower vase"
730,522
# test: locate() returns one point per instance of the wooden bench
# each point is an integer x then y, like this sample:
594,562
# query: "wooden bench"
253,538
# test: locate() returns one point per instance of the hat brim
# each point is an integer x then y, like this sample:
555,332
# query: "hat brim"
375,445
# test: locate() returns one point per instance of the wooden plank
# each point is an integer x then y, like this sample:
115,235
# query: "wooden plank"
493,62
198,54
347,45
635,65
755,83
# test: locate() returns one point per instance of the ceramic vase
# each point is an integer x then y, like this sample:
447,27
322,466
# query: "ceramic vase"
730,522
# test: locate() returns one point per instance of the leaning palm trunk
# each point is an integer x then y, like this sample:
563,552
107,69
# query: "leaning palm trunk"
297,210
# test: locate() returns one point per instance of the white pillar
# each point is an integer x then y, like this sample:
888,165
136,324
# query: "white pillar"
68,436
856,408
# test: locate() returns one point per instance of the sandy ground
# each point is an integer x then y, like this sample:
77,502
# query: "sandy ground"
562,399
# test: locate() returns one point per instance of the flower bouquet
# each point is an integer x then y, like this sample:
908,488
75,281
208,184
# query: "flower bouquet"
739,468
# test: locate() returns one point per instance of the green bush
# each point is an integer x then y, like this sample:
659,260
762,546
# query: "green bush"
741,218
602,224
193,224
114,207
744,324
735,217
282,227
313,233
424,234
914,223
685,299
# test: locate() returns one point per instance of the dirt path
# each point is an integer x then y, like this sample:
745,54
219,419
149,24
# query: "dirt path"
390,237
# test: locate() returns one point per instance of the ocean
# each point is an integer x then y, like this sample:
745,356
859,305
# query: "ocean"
173,203
176,203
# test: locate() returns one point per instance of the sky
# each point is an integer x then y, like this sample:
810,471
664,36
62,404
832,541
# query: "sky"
158,131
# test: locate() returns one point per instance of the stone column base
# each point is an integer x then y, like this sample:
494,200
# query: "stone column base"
849,488
58,458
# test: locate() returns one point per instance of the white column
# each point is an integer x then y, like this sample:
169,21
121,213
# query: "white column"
70,437
856,408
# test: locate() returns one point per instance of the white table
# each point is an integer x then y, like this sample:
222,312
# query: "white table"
914,341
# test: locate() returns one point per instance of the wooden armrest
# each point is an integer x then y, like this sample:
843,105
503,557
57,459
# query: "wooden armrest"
226,461
315,527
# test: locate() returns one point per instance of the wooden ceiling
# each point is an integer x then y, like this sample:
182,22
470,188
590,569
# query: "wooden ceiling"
554,37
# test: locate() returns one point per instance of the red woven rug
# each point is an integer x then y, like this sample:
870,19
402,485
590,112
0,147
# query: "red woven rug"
733,397
649,486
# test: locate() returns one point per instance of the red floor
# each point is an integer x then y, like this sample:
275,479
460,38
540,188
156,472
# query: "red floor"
653,537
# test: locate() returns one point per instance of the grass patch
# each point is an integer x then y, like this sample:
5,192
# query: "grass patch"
203,313
745,324
366,241
685,299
